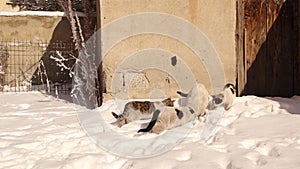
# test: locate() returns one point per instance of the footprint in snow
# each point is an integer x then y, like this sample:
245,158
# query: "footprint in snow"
24,106
184,156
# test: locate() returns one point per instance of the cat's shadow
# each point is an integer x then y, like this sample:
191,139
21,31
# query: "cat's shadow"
143,124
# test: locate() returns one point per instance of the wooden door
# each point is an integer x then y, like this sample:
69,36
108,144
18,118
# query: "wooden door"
268,47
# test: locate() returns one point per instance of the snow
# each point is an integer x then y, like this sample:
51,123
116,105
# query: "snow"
41,131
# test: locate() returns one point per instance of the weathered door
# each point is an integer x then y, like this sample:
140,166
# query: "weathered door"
268,47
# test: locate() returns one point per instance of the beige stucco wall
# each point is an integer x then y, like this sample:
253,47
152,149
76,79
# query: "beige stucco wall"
33,28
215,19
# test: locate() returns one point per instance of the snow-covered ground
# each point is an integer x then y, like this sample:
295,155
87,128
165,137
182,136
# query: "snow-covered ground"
42,132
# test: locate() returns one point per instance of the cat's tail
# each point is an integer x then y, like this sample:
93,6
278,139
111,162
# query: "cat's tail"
182,94
152,122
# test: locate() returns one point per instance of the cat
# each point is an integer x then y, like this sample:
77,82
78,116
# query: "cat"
170,117
224,98
229,93
174,117
192,106
137,110
196,99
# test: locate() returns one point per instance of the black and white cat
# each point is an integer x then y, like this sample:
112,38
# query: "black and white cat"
224,98
196,99
169,118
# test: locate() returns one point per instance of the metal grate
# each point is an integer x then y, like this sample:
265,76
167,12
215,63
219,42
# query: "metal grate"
29,66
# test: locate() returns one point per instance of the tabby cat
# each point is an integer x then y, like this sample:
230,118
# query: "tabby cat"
137,110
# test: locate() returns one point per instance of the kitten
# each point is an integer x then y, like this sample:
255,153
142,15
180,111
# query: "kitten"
229,93
137,110
216,108
170,118
224,98
197,99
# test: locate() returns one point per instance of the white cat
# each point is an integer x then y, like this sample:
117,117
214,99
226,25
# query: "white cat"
224,98
196,99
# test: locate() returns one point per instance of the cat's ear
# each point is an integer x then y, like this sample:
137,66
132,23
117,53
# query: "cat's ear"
121,117
115,115
231,87
171,104
168,102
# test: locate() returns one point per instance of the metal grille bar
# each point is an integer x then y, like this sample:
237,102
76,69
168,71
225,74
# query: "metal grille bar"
28,66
